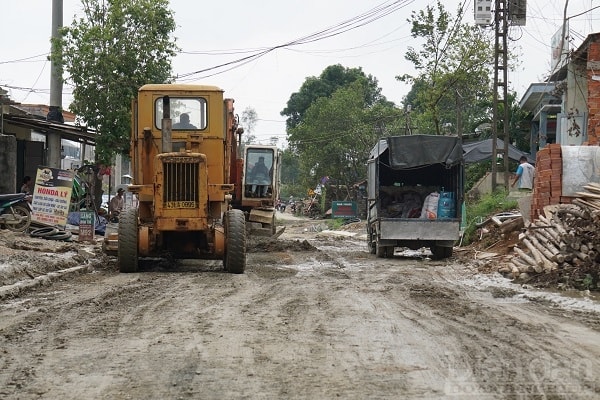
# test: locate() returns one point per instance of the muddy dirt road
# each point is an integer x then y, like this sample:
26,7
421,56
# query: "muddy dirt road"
314,317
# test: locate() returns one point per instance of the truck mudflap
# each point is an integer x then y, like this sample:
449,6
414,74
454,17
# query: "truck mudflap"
419,229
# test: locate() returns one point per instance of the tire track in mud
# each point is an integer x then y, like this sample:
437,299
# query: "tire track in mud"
305,323
512,348
123,310
491,349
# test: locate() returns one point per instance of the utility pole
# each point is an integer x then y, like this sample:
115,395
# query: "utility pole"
408,131
53,140
500,92
459,119
515,11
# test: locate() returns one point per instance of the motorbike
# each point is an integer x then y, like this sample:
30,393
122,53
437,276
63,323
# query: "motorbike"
15,212
280,206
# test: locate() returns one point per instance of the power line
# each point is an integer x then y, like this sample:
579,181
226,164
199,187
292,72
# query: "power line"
27,59
368,17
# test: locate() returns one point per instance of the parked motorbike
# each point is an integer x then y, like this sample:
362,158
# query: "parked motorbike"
280,206
15,212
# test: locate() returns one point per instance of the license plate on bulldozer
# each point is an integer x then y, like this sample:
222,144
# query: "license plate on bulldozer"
181,204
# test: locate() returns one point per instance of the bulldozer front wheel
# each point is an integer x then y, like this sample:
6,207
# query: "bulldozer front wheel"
128,241
234,259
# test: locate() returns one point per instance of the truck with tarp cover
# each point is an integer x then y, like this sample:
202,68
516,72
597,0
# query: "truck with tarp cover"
415,194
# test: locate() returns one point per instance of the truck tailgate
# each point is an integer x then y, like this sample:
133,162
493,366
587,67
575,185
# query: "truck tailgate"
419,229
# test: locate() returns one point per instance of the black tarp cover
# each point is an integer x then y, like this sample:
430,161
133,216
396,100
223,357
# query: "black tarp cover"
482,150
419,150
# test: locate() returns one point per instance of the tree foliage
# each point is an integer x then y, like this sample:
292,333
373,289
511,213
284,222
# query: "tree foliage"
337,132
116,47
330,80
453,65
249,118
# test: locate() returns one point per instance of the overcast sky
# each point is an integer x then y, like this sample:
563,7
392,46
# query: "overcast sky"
213,33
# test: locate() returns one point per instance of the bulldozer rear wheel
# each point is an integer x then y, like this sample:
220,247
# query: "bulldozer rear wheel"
234,259
128,241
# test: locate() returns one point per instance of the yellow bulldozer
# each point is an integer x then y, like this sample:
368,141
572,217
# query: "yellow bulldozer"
183,148
257,181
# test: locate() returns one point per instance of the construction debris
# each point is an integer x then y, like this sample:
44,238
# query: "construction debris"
562,246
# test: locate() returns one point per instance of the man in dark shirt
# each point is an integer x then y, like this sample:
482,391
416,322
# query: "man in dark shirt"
184,122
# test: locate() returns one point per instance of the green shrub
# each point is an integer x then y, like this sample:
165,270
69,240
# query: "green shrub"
334,223
488,205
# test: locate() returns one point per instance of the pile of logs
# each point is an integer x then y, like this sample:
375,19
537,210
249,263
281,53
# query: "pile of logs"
564,243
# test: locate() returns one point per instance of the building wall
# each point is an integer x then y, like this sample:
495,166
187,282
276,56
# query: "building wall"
8,164
577,88
572,121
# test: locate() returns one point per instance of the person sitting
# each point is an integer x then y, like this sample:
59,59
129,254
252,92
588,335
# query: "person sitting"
26,186
115,207
260,178
184,122
259,171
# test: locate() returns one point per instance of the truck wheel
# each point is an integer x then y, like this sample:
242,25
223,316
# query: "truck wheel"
372,241
234,259
440,252
381,251
127,255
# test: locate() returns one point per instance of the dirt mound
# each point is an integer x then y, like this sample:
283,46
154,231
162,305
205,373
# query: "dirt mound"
278,245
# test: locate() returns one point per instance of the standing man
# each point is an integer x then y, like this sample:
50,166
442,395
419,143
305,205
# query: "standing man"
524,175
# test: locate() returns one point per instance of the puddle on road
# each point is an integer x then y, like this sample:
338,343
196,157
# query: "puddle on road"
567,299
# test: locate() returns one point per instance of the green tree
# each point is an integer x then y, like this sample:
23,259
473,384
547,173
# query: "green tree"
249,118
331,79
116,47
337,133
453,66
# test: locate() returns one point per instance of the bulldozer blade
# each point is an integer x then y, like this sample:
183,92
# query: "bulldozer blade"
262,216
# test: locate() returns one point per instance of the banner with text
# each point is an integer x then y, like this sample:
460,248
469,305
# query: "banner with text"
52,196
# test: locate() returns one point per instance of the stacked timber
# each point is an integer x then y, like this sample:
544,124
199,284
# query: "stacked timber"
564,244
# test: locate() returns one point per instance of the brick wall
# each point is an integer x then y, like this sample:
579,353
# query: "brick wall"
593,61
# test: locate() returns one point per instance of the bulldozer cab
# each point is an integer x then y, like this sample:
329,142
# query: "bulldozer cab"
260,173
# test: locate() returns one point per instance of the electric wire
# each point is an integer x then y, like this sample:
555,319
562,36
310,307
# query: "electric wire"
27,59
378,12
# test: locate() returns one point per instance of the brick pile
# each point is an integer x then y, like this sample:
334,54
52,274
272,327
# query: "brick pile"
547,186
